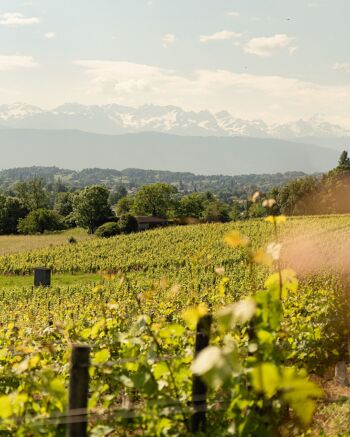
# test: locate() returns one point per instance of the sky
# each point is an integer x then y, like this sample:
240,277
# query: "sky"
274,60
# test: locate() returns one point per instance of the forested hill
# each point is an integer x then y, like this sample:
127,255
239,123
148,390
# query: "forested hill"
133,178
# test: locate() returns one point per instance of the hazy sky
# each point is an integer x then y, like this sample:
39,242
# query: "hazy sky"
276,60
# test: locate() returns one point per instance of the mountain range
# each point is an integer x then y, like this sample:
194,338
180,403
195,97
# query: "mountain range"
164,138
158,151
115,119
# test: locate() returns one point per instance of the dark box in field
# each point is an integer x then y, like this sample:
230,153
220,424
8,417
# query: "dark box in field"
42,277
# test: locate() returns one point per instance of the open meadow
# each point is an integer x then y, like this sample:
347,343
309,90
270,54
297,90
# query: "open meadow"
26,243
135,300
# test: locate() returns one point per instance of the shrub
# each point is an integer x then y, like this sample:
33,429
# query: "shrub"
127,224
39,221
109,229
72,240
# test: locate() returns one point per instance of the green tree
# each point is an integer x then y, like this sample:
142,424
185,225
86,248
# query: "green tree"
336,185
192,205
125,205
64,203
14,212
216,211
256,210
39,221
119,192
237,210
91,208
344,161
11,211
300,197
155,199
32,194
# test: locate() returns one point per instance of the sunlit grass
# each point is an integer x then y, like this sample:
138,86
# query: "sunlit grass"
57,280
24,243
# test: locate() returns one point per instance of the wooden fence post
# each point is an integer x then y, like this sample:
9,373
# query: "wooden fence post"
78,392
42,277
199,388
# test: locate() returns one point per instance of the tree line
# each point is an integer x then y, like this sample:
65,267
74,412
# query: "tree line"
32,206
226,188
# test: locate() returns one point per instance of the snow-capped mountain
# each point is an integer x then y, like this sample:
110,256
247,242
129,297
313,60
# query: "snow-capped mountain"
117,119
313,127
17,111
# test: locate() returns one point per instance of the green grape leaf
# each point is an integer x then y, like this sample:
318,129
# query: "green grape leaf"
266,379
101,357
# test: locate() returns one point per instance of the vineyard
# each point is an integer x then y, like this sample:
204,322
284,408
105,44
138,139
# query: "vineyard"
269,331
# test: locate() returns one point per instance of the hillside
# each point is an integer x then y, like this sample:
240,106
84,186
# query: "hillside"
134,178
165,252
139,322
201,155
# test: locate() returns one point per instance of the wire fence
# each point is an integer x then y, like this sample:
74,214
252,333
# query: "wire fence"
196,405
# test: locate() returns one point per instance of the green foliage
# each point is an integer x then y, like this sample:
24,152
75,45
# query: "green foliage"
140,327
32,194
109,229
215,210
155,199
256,210
39,221
127,224
191,205
316,326
248,355
311,195
91,207
64,204
238,210
11,211
225,187
344,161
125,205
117,193
300,197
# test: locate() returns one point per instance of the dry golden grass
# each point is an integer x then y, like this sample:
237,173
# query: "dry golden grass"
23,243
332,416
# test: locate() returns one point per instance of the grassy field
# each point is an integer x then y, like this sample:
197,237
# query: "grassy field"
24,243
157,275
60,280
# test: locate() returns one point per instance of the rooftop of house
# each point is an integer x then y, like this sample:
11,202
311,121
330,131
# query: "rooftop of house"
150,219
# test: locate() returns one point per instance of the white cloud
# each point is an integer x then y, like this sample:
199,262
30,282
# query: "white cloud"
314,4
234,14
17,19
219,36
14,62
245,95
50,35
342,66
267,46
168,39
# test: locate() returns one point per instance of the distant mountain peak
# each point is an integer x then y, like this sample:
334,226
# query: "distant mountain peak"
18,111
315,126
118,119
